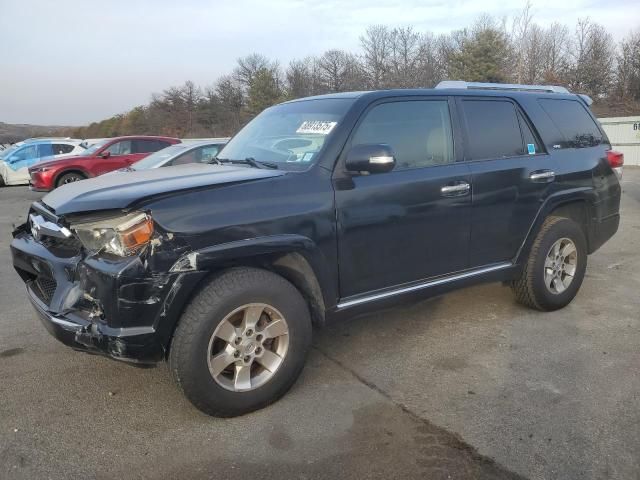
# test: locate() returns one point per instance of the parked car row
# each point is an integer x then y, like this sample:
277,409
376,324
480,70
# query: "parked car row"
16,160
46,164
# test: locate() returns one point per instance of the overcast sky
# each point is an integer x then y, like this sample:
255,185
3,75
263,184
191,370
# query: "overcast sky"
70,62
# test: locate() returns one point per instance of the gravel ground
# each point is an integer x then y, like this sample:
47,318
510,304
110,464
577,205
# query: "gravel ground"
468,385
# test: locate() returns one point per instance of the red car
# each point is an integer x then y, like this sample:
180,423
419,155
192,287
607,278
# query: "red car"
102,157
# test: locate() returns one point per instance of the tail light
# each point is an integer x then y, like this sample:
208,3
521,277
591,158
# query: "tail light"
616,161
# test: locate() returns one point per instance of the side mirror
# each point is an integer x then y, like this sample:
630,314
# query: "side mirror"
106,154
372,158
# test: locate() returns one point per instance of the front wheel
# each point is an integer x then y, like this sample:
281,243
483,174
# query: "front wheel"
555,268
69,178
241,342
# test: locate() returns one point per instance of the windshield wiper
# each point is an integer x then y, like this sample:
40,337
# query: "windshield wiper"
247,161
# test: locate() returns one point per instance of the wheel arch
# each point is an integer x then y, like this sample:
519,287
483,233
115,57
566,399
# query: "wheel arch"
575,204
294,257
69,170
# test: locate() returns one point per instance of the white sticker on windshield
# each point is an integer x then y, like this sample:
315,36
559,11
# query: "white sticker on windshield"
317,126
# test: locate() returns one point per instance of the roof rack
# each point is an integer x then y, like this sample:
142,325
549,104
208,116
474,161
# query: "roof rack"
501,86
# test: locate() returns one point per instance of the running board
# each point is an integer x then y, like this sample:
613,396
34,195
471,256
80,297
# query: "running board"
420,286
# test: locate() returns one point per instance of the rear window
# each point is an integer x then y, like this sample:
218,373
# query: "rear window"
574,122
493,130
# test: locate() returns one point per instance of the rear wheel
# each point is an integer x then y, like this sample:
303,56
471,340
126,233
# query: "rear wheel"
70,177
241,342
555,268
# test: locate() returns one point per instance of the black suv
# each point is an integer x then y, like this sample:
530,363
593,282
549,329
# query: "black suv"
318,209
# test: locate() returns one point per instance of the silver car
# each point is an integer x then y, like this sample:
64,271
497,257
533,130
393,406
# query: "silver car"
189,152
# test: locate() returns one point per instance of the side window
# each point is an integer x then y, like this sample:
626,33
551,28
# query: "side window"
62,148
189,157
144,146
149,146
26,153
418,131
530,140
122,147
576,125
492,129
209,153
45,150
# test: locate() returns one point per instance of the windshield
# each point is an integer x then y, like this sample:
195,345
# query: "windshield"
94,148
5,153
290,134
159,157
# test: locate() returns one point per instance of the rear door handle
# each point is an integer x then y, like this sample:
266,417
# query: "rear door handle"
542,176
455,190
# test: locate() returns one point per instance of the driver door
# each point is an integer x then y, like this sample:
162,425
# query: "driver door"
412,223
120,156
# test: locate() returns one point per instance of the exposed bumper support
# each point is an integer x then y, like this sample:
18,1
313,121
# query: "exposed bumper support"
134,345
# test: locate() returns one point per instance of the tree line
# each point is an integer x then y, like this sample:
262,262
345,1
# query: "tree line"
585,58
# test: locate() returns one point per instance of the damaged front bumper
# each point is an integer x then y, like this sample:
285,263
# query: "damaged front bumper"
113,307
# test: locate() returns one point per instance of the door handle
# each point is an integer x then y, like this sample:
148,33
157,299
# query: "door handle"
542,176
455,190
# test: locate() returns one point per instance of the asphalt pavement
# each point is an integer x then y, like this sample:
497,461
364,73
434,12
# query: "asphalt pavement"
469,385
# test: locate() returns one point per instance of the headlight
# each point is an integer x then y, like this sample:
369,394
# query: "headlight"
39,169
122,236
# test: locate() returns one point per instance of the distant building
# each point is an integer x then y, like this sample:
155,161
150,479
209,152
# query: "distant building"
624,134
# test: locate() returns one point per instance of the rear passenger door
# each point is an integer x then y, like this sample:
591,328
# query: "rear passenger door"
144,147
511,176
411,223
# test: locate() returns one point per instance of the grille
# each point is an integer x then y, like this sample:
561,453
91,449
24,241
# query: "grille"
44,288
62,247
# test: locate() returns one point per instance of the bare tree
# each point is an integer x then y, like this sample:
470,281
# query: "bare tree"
376,47
587,61
521,41
303,78
593,53
405,48
556,46
340,71
628,68
231,97
249,66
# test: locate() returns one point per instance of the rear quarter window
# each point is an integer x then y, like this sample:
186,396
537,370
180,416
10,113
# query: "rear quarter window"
62,148
573,121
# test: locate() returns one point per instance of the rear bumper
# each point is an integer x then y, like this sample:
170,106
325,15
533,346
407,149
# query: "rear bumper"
602,230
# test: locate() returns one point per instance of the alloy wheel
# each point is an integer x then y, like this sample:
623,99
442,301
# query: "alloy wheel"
560,265
247,347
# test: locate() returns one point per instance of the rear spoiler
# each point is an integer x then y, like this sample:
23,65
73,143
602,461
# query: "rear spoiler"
586,99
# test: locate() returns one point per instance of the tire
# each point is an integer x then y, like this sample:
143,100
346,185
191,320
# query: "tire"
69,178
533,288
193,354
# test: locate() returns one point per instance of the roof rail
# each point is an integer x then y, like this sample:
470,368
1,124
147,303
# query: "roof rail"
501,86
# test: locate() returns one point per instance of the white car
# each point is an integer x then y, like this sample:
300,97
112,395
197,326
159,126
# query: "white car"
16,160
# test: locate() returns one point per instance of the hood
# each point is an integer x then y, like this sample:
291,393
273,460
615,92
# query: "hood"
121,189
55,161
